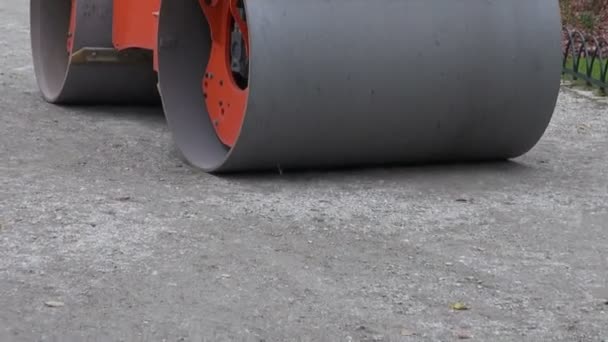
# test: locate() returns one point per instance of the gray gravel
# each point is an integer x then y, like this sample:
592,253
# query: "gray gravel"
105,234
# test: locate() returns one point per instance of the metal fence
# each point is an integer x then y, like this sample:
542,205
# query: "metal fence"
586,58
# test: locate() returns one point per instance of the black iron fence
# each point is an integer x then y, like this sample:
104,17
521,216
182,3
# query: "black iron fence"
586,58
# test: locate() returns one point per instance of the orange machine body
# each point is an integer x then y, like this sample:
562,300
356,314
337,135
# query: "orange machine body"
135,25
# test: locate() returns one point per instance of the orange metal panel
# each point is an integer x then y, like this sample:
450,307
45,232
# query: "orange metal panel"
135,24
225,100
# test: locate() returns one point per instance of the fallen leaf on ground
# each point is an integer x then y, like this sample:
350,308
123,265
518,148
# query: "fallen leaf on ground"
582,128
407,332
462,335
54,304
459,306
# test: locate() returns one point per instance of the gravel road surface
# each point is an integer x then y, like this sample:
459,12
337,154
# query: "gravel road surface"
107,235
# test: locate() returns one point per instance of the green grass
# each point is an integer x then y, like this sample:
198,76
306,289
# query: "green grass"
596,73
582,67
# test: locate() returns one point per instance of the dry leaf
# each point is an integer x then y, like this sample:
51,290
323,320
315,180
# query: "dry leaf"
459,306
582,128
54,304
407,332
462,335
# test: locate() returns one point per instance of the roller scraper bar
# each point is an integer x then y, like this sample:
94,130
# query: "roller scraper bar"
265,84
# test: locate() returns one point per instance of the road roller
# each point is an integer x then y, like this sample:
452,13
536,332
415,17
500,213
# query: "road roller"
305,84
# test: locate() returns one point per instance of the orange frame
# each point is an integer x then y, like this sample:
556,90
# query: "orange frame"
135,25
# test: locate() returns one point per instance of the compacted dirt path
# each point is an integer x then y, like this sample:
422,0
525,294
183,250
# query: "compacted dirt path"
106,234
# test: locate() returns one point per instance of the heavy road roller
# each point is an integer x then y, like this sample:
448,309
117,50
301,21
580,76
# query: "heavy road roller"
267,84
